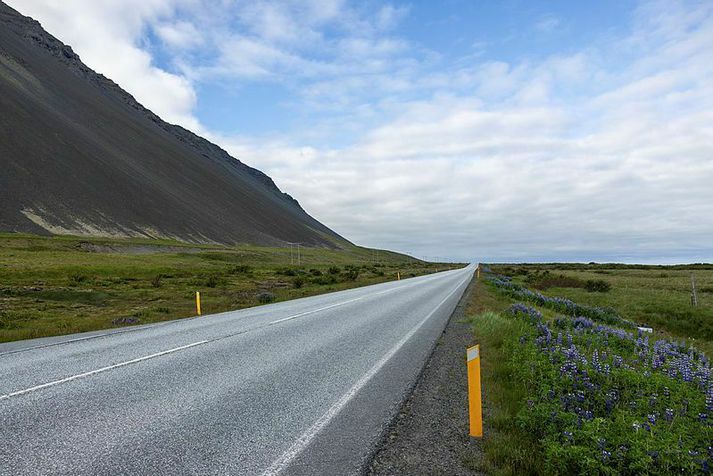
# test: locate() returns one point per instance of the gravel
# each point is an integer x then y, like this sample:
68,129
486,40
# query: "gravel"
430,433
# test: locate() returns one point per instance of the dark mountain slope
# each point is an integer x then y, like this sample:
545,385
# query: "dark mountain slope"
79,155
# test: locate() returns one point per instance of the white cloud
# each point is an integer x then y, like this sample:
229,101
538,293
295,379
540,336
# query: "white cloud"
180,34
107,36
604,153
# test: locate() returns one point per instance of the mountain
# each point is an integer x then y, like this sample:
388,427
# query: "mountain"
79,155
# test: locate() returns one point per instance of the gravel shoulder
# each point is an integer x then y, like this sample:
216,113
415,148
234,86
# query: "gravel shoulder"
429,435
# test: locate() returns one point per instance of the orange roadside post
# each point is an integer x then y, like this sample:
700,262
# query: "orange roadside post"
475,407
198,302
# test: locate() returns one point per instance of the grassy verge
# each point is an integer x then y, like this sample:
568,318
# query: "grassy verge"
567,395
507,450
62,285
659,296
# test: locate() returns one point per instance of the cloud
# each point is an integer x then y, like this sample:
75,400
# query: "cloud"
179,34
547,23
598,154
572,157
107,36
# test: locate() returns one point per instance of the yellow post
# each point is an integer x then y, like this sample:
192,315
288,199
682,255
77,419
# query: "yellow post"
475,406
477,270
398,276
198,302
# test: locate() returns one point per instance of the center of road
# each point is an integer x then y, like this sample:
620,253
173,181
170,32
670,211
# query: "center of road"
165,352
188,346
306,438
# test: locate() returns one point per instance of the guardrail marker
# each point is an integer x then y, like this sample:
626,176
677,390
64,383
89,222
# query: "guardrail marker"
475,407
398,276
198,302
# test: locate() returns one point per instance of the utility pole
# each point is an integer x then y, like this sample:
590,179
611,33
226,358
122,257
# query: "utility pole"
694,296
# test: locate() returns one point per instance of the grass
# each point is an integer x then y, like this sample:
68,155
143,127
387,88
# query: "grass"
59,285
527,431
658,296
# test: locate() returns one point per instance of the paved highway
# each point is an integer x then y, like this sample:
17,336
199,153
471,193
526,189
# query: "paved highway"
298,387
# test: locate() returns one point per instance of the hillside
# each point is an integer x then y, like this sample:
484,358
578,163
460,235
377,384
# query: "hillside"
81,156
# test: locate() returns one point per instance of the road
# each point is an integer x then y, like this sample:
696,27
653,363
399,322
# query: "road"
298,387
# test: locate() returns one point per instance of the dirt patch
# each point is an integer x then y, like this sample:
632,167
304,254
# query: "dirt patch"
430,433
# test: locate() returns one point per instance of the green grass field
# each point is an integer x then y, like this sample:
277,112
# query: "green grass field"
61,285
659,296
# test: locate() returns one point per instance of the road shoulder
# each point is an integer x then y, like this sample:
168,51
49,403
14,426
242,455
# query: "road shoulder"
429,435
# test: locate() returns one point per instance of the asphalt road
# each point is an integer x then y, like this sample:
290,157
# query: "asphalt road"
299,387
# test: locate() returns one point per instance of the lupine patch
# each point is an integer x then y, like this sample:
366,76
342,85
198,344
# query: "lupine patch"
607,400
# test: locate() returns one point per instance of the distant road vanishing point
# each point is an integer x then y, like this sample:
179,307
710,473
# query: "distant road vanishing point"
298,387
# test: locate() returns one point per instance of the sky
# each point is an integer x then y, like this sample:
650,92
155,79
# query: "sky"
460,129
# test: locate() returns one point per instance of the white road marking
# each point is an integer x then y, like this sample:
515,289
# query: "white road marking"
103,369
315,310
306,438
158,354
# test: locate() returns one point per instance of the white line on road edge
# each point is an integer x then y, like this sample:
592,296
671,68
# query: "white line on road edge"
158,324
316,310
306,438
158,354
103,369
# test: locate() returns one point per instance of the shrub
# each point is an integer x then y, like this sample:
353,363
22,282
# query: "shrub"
212,281
77,278
560,281
350,274
597,286
240,269
324,279
298,282
266,297
156,281
334,270
315,272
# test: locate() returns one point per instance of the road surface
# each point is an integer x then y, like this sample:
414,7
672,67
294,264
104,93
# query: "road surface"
298,387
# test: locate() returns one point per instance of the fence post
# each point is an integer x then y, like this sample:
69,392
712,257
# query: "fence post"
198,302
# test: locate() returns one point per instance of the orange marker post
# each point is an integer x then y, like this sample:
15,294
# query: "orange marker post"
198,302
475,404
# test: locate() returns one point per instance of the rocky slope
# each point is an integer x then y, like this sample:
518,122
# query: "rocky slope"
79,155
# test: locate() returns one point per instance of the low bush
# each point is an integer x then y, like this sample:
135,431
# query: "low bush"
597,286
548,281
325,279
266,297
240,269
315,272
213,280
298,282
76,278
334,270
156,281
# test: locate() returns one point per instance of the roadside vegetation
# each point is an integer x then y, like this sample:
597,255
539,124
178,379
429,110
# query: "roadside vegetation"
60,285
573,387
